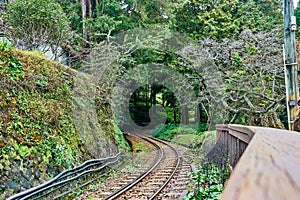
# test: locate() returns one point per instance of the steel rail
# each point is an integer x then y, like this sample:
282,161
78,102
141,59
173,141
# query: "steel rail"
173,172
151,168
53,182
142,176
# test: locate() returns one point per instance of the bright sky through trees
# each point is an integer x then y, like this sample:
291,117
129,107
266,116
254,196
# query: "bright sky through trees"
295,3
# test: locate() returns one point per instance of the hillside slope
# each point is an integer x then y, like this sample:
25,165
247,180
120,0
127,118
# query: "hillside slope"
38,137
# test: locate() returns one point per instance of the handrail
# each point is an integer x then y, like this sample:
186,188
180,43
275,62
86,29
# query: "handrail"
267,168
67,176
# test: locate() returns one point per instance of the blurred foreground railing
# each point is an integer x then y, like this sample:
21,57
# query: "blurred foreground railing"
266,162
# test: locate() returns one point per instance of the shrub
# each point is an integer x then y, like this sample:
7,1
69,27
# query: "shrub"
209,181
34,23
165,131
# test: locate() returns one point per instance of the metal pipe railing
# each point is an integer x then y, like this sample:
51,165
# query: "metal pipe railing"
67,176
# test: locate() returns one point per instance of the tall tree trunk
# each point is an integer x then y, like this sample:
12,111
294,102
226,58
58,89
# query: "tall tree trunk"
146,95
197,114
83,6
173,104
153,95
90,8
175,113
184,115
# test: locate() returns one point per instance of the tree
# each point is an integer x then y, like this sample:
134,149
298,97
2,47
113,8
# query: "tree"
97,20
252,88
37,24
220,19
84,6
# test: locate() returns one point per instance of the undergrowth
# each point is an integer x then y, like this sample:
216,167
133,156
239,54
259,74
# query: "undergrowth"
169,131
209,182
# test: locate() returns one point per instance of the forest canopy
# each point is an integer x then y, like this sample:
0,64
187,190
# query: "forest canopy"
233,33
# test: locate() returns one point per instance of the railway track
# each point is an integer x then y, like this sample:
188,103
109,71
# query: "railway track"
162,174
165,178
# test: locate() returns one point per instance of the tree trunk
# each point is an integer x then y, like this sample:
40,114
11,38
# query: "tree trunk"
175,113
197,114
147,96
90,8
153,95
184,115
83,6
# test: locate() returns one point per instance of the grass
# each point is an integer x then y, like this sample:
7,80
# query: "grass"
186,135
140,146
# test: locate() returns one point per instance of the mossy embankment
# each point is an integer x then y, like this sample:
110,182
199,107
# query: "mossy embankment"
38,137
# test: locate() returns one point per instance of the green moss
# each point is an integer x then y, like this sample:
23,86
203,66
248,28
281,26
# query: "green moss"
120,139
35,111
36,121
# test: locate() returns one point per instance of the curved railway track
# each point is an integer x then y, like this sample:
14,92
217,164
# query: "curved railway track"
165,178
162,174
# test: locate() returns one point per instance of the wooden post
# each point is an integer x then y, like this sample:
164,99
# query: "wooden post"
290,63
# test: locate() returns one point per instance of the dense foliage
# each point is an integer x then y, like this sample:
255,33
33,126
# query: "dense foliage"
209,182
37,24
235,51
223,19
